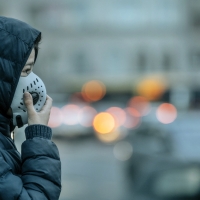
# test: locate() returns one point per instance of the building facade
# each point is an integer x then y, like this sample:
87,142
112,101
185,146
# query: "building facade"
119,42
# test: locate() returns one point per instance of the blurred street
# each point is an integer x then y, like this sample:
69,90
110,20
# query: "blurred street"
90,169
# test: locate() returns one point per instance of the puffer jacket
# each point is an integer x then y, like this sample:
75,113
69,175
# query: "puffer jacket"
36,173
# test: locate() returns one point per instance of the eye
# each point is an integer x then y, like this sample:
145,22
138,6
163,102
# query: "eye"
28,71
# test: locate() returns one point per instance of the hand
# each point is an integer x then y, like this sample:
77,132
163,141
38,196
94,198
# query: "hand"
41,117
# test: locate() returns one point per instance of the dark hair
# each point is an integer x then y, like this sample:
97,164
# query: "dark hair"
36,45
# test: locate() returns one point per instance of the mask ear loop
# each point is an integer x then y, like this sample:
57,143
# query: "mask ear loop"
12,128
13,136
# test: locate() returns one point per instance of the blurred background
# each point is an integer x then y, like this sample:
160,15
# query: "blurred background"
125,79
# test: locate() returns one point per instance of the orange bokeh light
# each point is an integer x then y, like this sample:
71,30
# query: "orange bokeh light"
70,114
152,89
166,113
93,90
86,116
133,119
119,115
55,119
141,104
104,123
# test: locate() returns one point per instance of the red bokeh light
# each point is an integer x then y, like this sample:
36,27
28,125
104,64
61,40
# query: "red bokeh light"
119,115
166,113
133,119
141,104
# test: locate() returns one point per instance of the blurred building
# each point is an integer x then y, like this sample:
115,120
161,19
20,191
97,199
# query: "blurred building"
118,42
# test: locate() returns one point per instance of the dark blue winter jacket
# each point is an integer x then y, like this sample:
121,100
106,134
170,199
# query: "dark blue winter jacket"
36,173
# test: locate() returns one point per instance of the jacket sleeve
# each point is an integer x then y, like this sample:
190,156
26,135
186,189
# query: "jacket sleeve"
41,169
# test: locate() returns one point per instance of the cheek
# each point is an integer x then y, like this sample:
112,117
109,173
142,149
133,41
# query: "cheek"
23,74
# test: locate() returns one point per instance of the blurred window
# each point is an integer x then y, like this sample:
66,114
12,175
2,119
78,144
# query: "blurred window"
114,61
117,15
142,62
120,97
195,59
195,100
180,96
195,18
166,62
80,62
3,10
166,96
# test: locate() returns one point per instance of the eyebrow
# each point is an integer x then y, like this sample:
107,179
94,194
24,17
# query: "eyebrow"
30,63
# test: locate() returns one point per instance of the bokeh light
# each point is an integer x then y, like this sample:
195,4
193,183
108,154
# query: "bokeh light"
119,115
70,114
86,116
104,123
141,104
93,90
166,113
123,150
55,119
110,137
152,89
133,118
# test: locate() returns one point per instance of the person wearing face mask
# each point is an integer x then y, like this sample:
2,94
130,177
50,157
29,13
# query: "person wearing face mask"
36,173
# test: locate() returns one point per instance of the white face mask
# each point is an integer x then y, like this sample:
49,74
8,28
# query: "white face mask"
35,86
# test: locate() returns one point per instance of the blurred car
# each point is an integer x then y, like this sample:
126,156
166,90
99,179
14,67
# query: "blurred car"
155,172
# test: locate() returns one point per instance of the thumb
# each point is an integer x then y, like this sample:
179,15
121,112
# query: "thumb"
28,101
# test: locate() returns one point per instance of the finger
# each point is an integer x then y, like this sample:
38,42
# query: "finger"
48,104
28,101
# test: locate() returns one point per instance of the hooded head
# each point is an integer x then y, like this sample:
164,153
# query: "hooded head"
17,41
